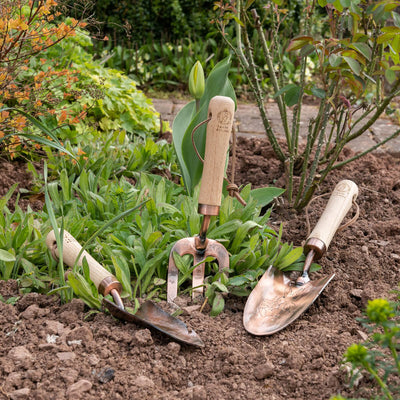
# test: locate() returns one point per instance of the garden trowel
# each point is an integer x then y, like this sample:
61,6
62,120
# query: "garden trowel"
276,301
148,313
220,115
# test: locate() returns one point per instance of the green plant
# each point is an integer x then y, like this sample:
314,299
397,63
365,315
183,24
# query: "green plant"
379,356
356,56
28,29
108,99
193,113
173,20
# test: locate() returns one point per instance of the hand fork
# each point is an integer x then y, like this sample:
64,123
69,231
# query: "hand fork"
219,128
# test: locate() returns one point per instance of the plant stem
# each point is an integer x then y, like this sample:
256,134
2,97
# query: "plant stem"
259,99
272,74
356,157
377,113
392,349
379,380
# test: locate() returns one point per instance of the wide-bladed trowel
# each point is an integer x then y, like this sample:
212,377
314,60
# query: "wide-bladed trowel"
276,301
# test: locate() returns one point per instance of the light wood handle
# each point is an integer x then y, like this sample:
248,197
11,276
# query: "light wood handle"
221,110
338,206
71,249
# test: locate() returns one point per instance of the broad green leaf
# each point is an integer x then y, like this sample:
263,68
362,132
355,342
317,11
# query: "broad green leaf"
217,83
238,281
390,76
179,127
290,258
363,49
241,233
385,37
220,287
82,289
335,60
391,29
396,19
345,3
218,305
338,5
265,195
322,3
317,92
6,256
291,92
390,6
122,273
7,196
222,230
292,96
353,64
299,42
284,90
84,183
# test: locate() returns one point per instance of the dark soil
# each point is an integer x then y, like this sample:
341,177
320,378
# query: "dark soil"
54,351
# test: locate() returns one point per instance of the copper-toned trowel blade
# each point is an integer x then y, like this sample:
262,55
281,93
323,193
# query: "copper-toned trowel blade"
274,303
151,315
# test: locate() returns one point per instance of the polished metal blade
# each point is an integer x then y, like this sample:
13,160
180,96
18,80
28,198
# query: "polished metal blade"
151,315
274,303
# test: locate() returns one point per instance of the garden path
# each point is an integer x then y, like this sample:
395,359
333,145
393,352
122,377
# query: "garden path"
249,124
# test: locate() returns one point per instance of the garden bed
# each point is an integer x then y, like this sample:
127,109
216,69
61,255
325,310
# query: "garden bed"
300,362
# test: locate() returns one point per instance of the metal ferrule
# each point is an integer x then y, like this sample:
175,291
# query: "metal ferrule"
317,245
109,283
206,209
201,239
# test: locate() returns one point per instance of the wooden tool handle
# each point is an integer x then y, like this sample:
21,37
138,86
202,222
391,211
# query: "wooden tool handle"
71,248
338,205
221,110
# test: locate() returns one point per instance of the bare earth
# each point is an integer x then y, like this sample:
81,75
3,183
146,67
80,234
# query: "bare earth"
54,351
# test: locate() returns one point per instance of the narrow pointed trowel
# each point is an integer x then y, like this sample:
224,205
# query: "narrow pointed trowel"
148,313
275,302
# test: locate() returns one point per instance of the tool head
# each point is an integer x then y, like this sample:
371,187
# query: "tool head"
274,303
189,246
153,316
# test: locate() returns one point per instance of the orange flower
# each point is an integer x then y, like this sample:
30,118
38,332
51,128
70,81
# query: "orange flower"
63,116
80,152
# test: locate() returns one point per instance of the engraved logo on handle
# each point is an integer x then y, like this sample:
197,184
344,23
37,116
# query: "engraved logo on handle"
342,190
224,118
